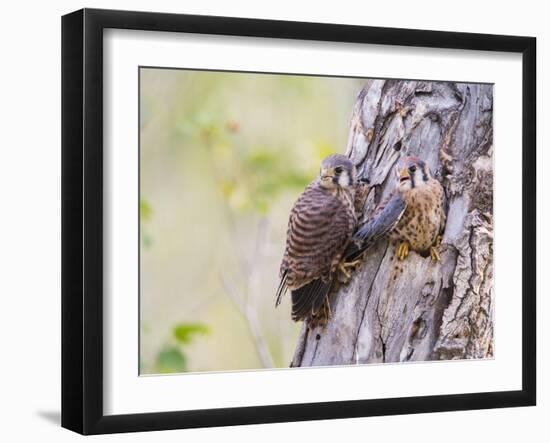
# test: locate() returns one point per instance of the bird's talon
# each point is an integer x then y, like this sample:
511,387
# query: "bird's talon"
353,264
343,270
435,253
344,266
403,250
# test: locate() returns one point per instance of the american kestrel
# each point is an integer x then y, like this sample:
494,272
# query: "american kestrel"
413,215
320,227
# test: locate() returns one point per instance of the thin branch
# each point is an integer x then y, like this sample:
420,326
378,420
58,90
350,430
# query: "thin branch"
249,314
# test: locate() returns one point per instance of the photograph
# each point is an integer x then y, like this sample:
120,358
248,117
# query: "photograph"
289,220
272,221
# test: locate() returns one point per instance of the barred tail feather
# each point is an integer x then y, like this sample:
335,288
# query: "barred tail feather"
281,290
310,299
321,318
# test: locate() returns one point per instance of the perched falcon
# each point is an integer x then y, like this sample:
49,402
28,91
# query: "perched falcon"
320,227
413,215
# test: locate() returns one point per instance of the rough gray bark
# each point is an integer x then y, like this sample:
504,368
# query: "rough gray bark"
418,309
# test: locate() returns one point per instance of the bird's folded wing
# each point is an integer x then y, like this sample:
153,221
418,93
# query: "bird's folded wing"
377,227
320,227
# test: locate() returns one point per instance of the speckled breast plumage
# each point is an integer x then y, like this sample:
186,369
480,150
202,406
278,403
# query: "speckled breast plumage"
423,218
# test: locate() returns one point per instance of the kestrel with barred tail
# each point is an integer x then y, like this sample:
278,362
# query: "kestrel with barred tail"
320,227
414,215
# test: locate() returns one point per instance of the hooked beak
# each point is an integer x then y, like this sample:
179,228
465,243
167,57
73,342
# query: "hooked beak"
404,175
327,174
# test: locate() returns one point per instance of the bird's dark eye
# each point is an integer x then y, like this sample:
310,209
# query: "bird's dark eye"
412,168
339,170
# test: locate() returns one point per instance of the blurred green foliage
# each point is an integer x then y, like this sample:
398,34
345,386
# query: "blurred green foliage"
248,177
223,154
172,356
184,332
145,210
171,359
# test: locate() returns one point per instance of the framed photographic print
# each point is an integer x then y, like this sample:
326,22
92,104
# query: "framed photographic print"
269,221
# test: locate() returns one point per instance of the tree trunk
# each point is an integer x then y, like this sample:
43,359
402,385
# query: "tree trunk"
417,309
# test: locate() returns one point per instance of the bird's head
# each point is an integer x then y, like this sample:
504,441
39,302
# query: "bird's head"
337,170
411,173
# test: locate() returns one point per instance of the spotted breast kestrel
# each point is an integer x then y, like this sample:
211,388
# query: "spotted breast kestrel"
413,215
320,227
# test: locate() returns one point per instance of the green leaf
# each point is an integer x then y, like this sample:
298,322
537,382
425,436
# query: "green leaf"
184,332
147,240
145,210
171,359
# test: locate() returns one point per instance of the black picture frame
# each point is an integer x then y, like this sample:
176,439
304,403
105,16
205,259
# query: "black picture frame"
82,220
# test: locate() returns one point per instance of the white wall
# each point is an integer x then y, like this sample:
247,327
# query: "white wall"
30,218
